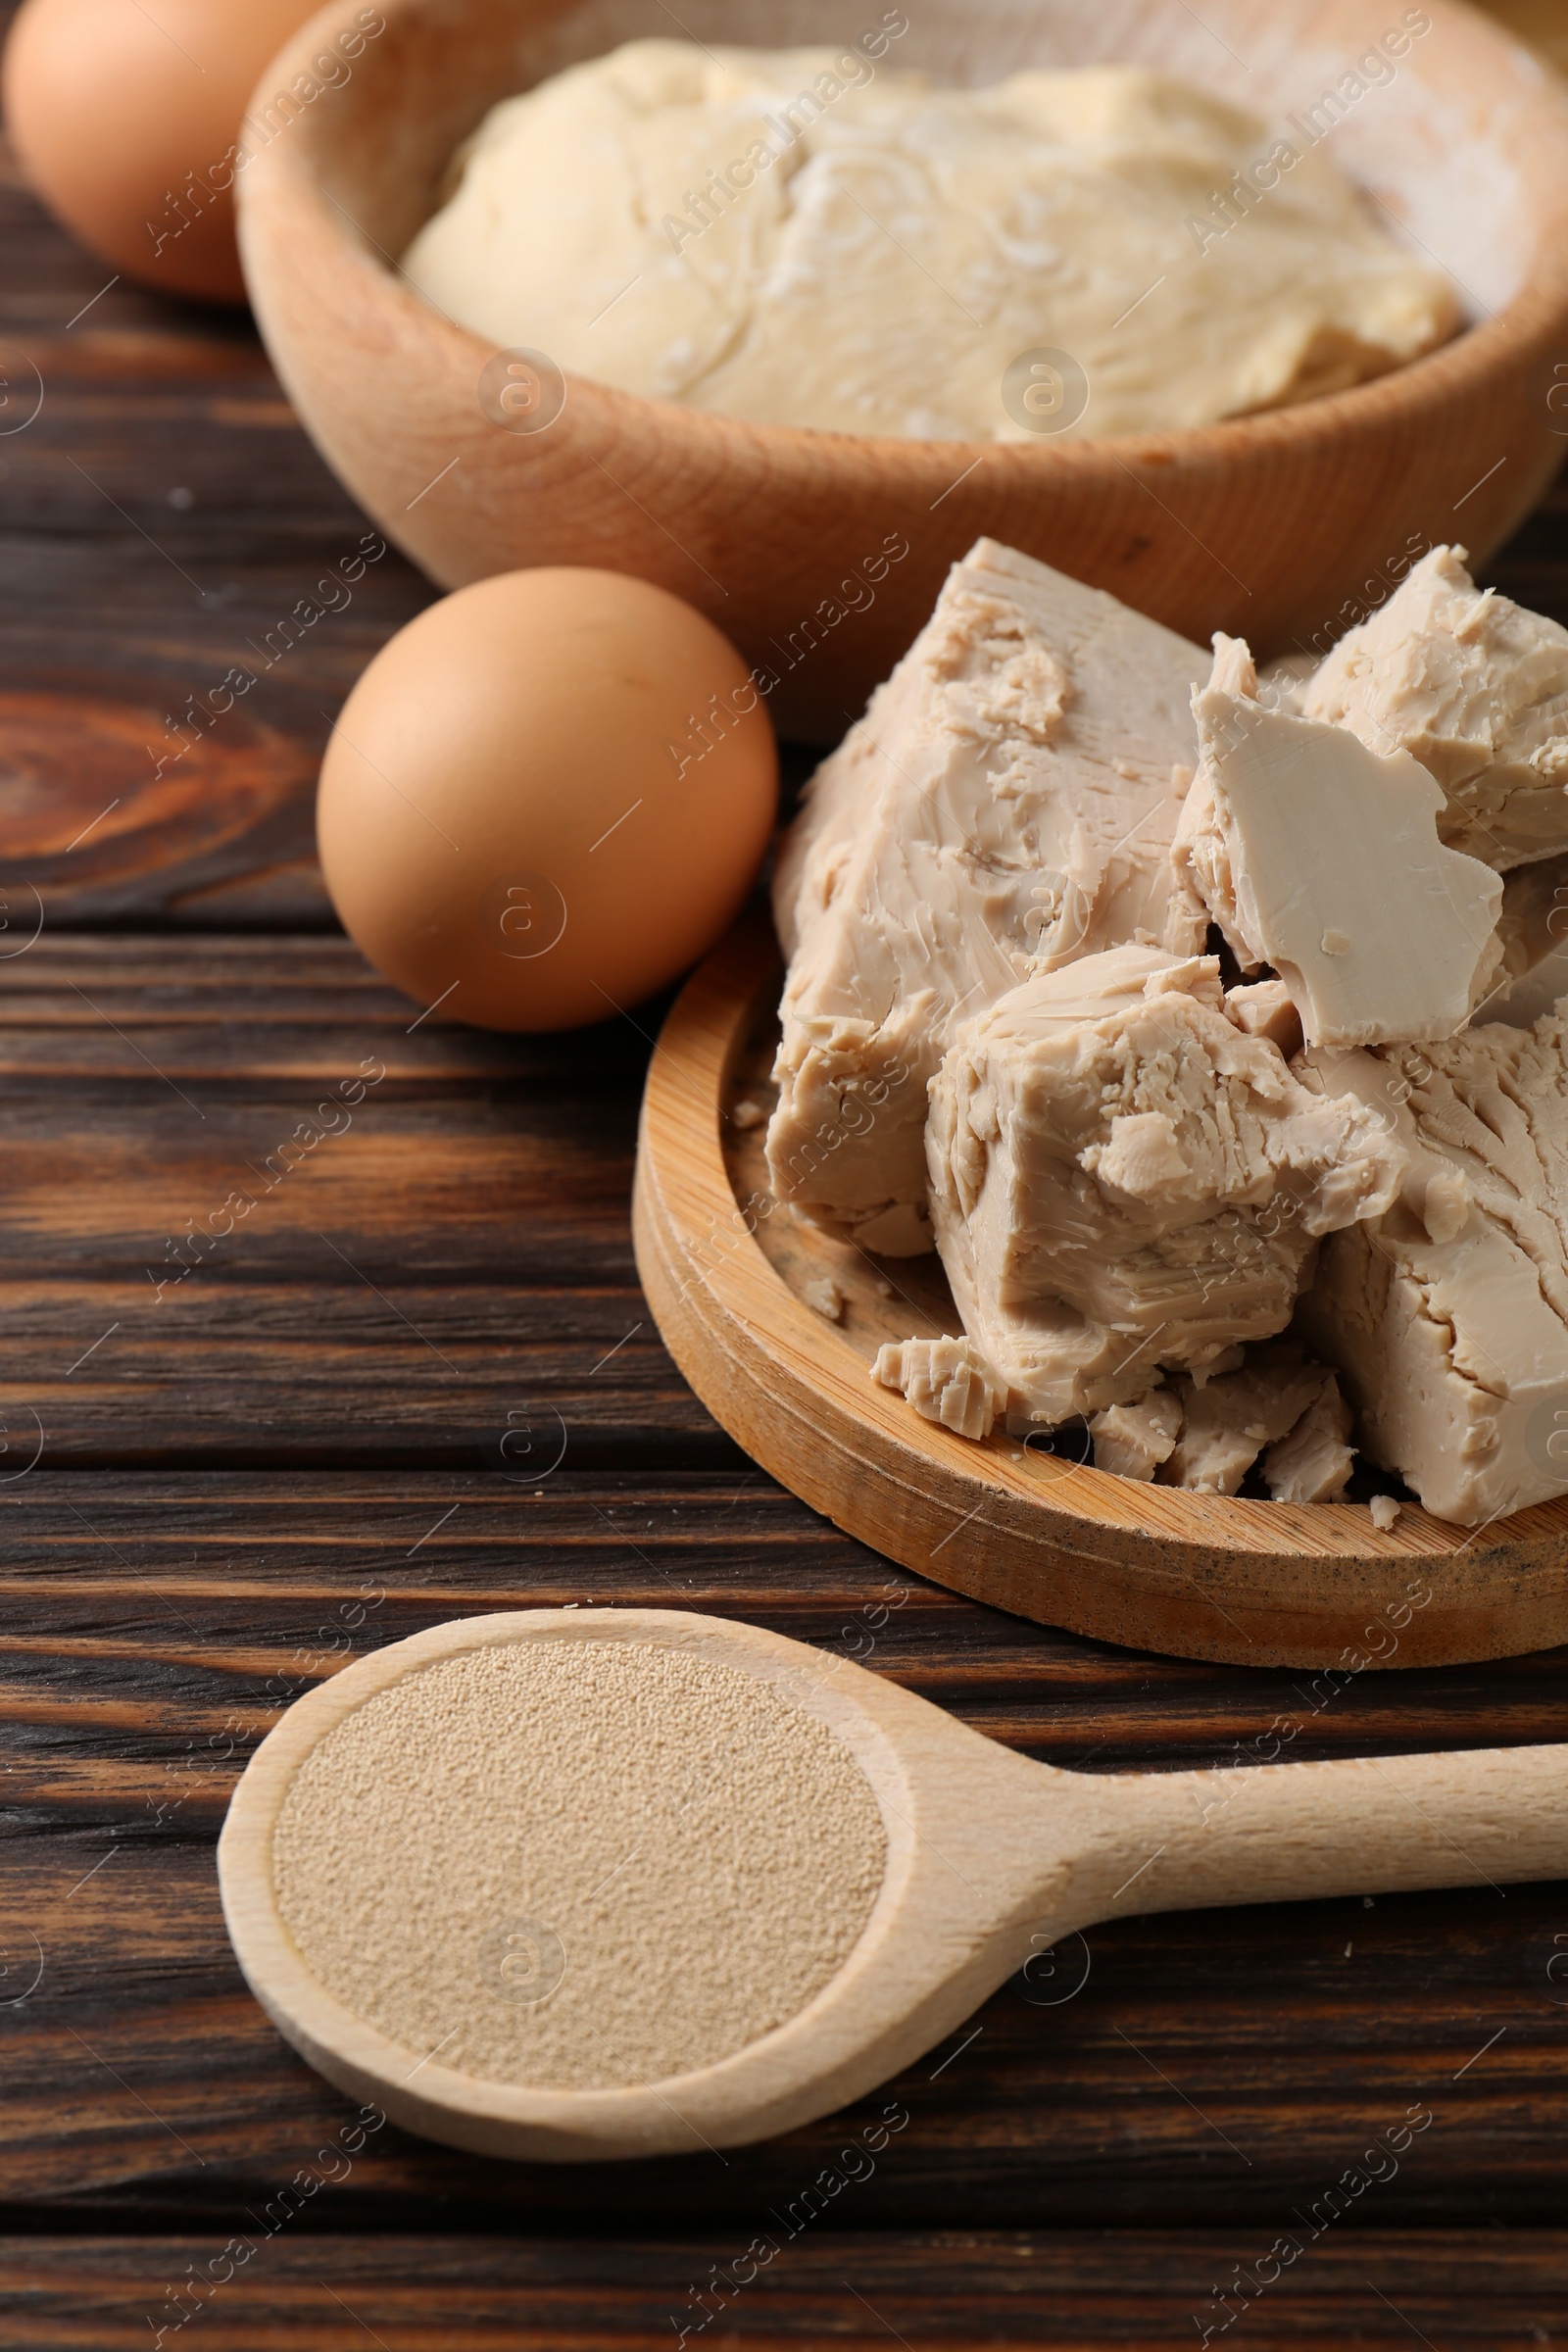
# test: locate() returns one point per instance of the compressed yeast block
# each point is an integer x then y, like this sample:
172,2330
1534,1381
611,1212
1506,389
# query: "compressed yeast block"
1447,1316
1008,804
1121,1180
1321,857
1476,688
1134,1440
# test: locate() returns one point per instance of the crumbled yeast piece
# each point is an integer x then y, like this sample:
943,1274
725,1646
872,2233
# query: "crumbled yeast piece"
1133,1440
1208,1436
1263,1009
1385,1512
1121,1180
747,1113
1447,1316
822,1292
1278,1406
1477,689
1321,858
1227,1423
1006,805
944,1381
1313,1460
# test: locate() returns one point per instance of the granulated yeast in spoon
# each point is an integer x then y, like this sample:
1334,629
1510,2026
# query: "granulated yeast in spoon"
578,1864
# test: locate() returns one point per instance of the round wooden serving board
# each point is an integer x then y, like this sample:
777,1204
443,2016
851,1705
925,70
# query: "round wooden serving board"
1255,1584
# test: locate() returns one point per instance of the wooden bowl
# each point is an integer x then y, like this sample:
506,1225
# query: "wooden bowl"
1279,527
1252,1583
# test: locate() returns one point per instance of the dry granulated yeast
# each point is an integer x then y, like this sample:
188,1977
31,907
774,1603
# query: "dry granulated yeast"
578,1864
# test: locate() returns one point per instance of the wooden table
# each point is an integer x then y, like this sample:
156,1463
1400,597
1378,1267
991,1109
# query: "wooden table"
417,1379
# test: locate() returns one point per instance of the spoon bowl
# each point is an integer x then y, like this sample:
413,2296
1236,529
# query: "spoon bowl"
986,1854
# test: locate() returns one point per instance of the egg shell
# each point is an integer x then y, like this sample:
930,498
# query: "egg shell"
127,119
546,796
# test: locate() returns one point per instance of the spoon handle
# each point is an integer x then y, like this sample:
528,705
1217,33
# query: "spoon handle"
1274,1832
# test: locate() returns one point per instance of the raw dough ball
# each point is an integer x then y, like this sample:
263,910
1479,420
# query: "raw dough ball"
815,237
127,119
518,814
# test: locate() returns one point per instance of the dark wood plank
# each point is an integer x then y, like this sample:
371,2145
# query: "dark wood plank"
257,1209
163,522
1076,2293
100,1575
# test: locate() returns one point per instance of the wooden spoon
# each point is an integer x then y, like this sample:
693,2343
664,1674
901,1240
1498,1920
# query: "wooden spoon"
988,1854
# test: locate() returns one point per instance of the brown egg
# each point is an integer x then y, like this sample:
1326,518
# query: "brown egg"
127,122
546,796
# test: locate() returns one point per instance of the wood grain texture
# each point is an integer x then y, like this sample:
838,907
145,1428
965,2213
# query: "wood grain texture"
257,1209
163,521
1052,2185
963,2291
1265,525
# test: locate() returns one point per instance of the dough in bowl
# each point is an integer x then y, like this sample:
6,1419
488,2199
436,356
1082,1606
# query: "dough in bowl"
820,237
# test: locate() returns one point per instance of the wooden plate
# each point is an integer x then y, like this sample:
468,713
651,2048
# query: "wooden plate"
1258,1584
